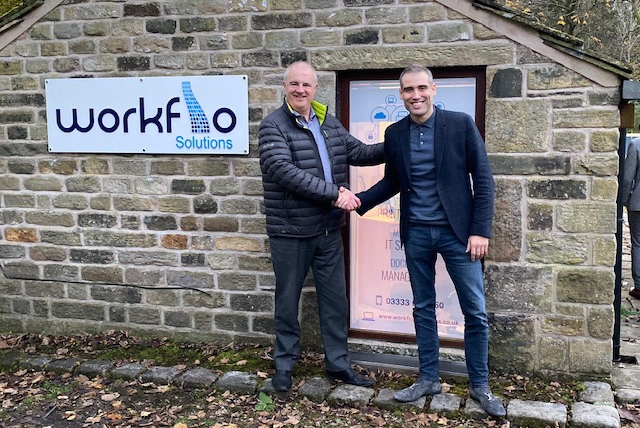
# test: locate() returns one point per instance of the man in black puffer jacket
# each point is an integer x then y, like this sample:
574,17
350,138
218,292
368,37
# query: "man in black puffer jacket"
304,157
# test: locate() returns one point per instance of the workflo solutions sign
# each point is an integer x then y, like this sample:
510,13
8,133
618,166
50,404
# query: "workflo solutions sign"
156,115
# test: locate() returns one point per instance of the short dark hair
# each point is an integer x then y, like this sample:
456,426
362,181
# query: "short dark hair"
416,68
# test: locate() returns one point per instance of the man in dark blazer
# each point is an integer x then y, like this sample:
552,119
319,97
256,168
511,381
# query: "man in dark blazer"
631,199
436,159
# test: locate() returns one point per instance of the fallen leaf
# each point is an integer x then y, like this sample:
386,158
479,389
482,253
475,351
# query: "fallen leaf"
110,397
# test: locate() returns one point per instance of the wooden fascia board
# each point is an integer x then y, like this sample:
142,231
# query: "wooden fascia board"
26,22
530,38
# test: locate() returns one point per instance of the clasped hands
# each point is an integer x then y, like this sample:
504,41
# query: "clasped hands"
347,200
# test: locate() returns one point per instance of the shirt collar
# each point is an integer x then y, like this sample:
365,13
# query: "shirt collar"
429,123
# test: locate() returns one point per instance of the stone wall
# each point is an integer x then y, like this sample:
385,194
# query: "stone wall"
78,232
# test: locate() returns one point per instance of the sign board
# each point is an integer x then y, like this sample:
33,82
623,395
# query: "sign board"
381,299
153,115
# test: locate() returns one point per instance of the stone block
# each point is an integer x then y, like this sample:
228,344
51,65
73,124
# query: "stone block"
160,375
365,36
238,382
587,415
580,217
232,23
133,63
427,13
319,37
512,342
144,316
102,257
192,259
210,299
134,203
597,164
72,202
128,371
592,356
274,21
554,77
86,184
151,186
553,248
506,243
177,319
43,184
93,368
554,354
12,252
78,310
50,219
90,12
385,15
586,118
263,325
22,234
530,164
600,322
236,281
196,378
174,204
60,272
100,221
110,275
527,134
193,279
604,141
246,41
506,83
157,222
255,263
239,206
176,242
60,238
115,294
536,414
189,187
179,44
142,10
259,59
563,325
534,285
238,244
252,302
604,189
205,204
350,395
231,322
604,251
218,261
442,32
21,270
148,258
143,276
585,285
557,189
597,393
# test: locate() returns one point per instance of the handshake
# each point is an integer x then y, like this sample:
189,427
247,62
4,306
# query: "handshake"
347,200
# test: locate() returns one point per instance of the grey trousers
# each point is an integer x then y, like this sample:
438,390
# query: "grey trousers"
292,258
634,228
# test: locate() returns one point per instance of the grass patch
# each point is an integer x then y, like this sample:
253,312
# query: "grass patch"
52,390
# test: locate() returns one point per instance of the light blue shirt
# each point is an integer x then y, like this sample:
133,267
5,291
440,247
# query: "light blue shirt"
314,127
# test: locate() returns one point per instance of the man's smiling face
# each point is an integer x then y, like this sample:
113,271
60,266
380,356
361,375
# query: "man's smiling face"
417,91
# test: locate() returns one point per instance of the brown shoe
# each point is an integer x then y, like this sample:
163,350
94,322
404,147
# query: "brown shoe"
635,293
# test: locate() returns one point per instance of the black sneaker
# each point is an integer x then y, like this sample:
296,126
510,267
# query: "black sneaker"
281,381
488,401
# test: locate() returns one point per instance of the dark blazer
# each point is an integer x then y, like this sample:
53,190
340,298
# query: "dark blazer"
464,179
631,197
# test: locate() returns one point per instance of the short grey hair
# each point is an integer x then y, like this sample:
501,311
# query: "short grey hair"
416,68
286,72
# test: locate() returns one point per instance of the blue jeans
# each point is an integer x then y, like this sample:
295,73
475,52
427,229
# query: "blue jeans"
423,243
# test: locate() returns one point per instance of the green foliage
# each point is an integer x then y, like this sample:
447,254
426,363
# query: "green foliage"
53,390
265,403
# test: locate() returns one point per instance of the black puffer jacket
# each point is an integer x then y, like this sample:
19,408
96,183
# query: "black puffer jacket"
296,196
